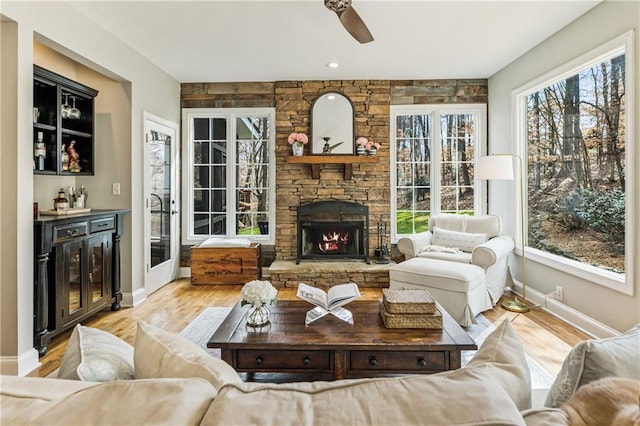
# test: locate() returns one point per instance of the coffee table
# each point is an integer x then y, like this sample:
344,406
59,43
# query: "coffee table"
333,349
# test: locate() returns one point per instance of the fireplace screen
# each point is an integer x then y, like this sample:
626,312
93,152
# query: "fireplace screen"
332,230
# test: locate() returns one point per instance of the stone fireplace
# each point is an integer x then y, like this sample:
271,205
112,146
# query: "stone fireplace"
332,230
298,184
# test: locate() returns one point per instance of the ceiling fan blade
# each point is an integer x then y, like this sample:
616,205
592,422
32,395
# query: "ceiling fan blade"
355,25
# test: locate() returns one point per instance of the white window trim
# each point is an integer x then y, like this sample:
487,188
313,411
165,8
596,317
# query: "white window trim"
437,110
621,44
188,238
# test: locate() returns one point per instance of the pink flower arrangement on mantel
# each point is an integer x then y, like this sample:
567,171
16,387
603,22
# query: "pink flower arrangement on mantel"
298,138
367,144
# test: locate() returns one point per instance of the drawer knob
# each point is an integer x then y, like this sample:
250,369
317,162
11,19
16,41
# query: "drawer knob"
373,361
259,360
72,232
307,360
422,362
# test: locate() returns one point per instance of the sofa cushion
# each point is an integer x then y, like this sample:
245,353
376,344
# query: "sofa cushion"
159,353
591,360
489,390
32,395
463,240
96,356
133,402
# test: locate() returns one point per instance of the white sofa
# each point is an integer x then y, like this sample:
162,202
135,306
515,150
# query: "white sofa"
494,388
178,383
462,260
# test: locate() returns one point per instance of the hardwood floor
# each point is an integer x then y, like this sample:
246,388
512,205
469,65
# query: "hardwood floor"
545,338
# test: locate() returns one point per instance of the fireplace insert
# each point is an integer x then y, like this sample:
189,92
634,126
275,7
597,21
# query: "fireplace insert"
332,230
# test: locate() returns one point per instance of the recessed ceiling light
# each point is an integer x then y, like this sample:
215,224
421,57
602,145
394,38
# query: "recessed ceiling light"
333,64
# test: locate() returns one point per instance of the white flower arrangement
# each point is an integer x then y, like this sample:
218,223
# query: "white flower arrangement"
258,293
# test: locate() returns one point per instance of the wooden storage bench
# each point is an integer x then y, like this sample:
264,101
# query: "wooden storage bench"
226,265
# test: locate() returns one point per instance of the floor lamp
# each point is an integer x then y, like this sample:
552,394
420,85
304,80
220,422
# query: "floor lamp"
500,167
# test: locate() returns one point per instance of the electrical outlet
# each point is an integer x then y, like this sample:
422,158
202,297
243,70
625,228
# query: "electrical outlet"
115,188
559,293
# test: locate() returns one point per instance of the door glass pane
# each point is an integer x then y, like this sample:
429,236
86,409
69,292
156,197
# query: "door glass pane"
413,172
252,175
457,139
96,273
75,279
159,151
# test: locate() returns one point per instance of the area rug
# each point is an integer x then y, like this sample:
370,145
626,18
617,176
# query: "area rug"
204,325
200,330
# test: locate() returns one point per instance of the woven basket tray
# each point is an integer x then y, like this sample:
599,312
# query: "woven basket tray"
433,321
402,301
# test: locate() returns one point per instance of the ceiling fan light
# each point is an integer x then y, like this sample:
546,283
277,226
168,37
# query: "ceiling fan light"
337,5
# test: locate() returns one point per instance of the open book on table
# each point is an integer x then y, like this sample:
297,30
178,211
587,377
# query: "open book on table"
336,297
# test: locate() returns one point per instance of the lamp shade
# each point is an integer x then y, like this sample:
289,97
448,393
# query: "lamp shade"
494,167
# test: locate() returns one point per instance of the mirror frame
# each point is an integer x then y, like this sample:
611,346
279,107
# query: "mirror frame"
320,116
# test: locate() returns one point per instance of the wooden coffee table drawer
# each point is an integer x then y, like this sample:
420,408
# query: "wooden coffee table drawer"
390,360
248,359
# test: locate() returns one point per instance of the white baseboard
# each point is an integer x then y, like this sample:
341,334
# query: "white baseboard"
20,365
132,299
567,314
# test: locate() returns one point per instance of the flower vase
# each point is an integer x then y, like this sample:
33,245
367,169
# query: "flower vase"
258,316
360,150
373,151
298,149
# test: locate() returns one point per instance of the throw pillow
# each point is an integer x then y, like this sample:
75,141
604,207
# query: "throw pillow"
503,355
595,359
462,240
160,354
96,356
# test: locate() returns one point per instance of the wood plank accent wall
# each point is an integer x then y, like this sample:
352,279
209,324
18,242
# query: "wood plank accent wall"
293,100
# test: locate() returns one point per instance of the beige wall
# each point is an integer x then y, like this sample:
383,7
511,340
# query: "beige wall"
598,26
136,86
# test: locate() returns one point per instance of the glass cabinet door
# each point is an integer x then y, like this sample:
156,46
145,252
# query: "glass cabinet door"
99,253
71,265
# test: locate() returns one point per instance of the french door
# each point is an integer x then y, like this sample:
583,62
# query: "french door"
161,208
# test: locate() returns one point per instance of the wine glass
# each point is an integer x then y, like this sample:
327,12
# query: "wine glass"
65,108
74,112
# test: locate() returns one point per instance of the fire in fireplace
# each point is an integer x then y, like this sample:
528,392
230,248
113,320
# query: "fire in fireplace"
328,230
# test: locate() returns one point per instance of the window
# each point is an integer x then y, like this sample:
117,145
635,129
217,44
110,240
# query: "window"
434,156
228,180
574,131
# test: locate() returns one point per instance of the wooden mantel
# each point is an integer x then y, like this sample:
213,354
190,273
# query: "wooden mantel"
316,160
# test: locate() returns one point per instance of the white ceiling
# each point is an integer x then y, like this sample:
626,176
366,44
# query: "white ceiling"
266,40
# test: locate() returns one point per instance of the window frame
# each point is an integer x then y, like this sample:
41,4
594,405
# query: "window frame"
622,44
436,111
230,114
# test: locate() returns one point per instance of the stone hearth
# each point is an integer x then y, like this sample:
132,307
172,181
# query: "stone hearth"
284,273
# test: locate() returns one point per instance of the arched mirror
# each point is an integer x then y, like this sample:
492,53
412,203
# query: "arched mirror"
332,125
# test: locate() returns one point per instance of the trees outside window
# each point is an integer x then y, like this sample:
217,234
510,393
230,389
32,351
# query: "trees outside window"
433,156
228,181
576,148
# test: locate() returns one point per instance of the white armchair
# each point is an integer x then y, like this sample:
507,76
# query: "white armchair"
462,260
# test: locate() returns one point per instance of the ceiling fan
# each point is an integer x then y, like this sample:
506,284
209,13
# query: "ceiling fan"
350,19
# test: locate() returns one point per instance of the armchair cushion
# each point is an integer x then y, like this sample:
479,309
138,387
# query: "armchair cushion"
464,241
